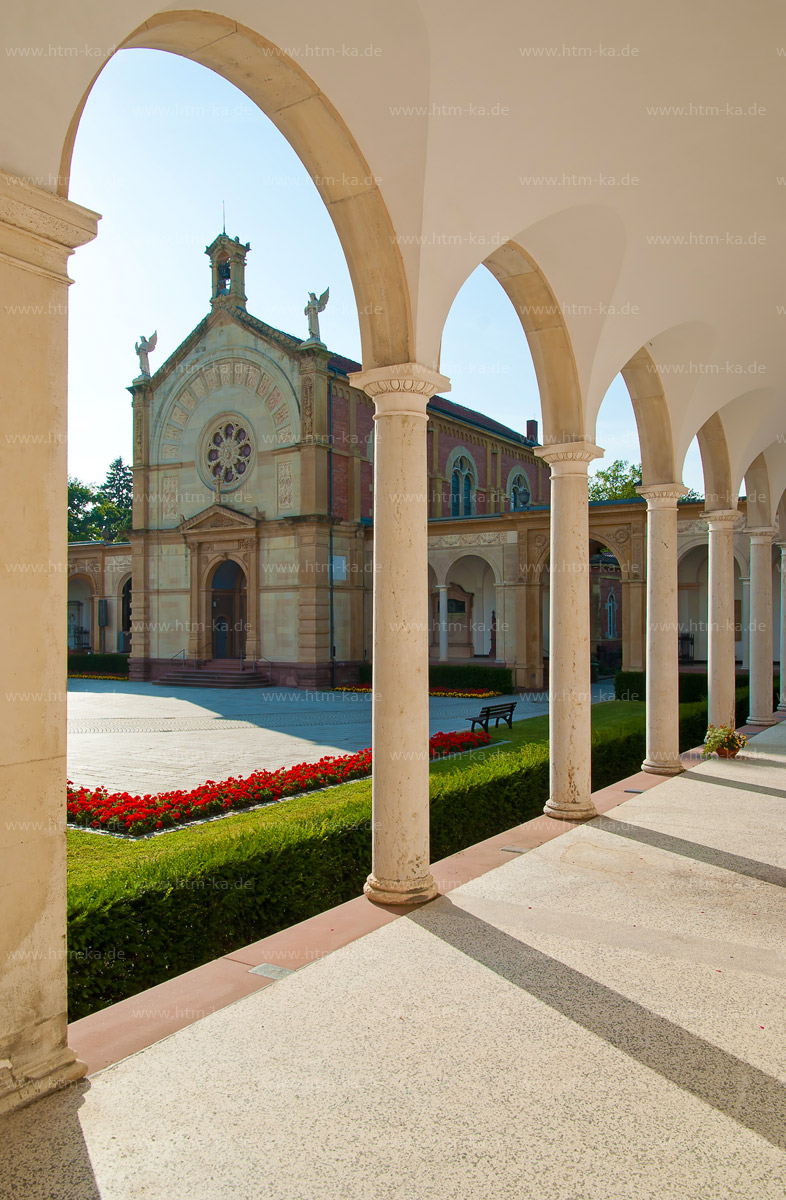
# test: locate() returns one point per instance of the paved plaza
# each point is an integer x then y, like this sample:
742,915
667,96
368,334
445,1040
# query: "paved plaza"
140,737
601,1018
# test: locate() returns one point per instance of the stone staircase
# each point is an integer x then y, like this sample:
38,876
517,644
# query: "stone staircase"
217,673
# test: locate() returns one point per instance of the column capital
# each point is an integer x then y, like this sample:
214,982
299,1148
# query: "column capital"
569,458
662,495
761,534
401,387
721,518
39,230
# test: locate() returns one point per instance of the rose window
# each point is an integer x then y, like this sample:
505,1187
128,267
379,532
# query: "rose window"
228,452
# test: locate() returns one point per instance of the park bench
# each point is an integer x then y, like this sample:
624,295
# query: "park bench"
495,712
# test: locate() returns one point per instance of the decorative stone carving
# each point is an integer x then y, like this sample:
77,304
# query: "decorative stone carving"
621,535
491,538
307,407
284,485
169,498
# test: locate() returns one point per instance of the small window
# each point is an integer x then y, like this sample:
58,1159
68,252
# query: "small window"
520,495
462,488
611,616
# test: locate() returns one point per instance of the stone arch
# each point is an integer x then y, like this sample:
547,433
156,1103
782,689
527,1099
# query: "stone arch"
716,465
620,546
653,422
548,338
315,131
484,553
263,379
757,492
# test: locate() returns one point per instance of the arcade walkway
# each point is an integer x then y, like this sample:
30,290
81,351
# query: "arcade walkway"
600,1018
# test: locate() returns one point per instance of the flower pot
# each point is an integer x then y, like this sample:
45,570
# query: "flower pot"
724,752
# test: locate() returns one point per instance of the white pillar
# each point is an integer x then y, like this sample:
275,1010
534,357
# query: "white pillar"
745,621
443,622
38,232
570,789
782,651
720,614
761,628
663,725
400,721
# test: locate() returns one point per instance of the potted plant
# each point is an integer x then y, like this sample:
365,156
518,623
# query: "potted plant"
723,741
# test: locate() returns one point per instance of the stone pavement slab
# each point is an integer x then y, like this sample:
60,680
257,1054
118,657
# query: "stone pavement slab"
138,737
601,1018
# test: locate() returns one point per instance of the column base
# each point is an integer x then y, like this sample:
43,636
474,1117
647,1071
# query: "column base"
781,707
661,768
570,812
59,1075
396,891
752,720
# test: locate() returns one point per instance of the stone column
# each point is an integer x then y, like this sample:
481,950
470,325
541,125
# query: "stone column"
782,648
720,617
443,621
38,232
662,755
745,621
400,779
761,628
569,632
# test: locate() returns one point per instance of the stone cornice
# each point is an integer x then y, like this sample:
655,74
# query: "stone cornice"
39,230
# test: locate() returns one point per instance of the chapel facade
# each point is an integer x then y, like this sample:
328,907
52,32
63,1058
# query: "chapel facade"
252,542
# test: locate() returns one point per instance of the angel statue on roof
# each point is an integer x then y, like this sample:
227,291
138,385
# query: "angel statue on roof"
144,347
311,310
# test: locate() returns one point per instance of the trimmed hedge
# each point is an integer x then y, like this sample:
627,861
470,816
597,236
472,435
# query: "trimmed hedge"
97,664
133,925
693,685
458,675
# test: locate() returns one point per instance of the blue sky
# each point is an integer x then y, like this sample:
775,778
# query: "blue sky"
162,142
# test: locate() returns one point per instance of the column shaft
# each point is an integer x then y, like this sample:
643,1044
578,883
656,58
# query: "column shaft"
663,730
38,232
400,718
761,628
443,622
782,648
720,631
570,788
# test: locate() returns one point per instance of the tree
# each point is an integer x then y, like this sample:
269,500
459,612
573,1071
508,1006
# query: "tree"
114,501
101,514
81,505
618,482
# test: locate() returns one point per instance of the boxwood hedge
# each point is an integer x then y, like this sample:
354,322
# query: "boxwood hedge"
135,921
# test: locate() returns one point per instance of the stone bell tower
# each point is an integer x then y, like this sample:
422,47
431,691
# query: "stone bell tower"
228,262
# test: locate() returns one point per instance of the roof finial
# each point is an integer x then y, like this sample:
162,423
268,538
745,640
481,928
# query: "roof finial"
224,214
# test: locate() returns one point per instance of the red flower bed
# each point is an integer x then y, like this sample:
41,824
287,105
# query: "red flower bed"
120,812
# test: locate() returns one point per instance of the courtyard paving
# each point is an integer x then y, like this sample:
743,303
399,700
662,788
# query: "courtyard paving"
601,1018
140,737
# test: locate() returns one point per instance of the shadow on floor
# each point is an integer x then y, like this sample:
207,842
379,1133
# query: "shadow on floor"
727,1083
44,1156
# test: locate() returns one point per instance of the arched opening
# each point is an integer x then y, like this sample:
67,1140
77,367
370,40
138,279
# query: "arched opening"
227,607
472,624
606,610
124,632
80,614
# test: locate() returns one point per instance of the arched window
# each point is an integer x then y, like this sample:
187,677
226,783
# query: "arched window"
520,495
462,488
611,616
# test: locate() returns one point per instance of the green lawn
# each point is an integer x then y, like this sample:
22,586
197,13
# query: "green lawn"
91,858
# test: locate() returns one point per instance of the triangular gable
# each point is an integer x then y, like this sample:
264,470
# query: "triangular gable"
219,516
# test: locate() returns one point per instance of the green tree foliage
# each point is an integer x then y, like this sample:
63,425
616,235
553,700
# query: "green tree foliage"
102,513
618,482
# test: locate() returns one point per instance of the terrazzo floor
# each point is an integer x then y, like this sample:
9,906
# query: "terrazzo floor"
601,1018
